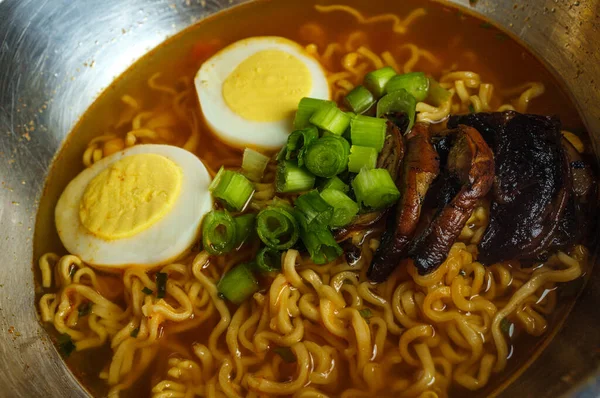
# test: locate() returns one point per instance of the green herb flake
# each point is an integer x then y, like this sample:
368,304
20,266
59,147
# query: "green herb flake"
145,290
366,314
486,25
72,271
66,345
134,332
161,284
505,326
462,272
501,37
84,309
285,353
471,108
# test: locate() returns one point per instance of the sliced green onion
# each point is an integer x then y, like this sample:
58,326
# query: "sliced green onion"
361,157
84,309
360,99
244,227
161,284
147,291
281,154
327,156
65,344
277,227
366,314
134,333
329,118
254,164
292,178
334,183
285,353
344,208
316,211
238,284
376,80
398,101
232,188
268,260
320,244
437,94
218,232
298,141
416,83
375,188
368,131
306,107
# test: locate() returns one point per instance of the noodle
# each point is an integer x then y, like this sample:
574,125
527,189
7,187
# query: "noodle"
447,318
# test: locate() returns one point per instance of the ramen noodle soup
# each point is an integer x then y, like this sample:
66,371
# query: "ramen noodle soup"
327,200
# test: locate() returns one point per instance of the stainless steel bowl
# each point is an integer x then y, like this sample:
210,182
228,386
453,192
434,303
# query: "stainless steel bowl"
56,56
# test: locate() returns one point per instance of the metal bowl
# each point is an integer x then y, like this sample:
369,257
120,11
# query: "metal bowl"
48,50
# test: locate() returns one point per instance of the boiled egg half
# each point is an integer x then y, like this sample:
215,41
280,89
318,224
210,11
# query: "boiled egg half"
142,206
249,91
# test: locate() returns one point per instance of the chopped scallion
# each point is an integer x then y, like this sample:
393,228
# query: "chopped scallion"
376,80
334,183
306,108
399,101
415,83
375,188
285,353
361,157
368,131
218,232
232,188
238,284
244,227
161,284
344,208
437,94
134,333
268,260
84,309
277,227
329,118
366,314
66,345
327,156
320,243
254,164
146,290
293,178
360,99
316,211
298,141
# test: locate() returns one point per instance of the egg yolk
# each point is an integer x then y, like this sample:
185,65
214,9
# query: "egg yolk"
267,86
130,195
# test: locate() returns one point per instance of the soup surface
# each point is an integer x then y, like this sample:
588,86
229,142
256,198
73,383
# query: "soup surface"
310,330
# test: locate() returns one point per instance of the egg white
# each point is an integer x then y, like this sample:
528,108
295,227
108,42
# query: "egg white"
229,126
164,240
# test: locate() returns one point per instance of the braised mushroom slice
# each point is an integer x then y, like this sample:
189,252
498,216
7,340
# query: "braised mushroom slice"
419,168
391,155
531,186
471,162
576,220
